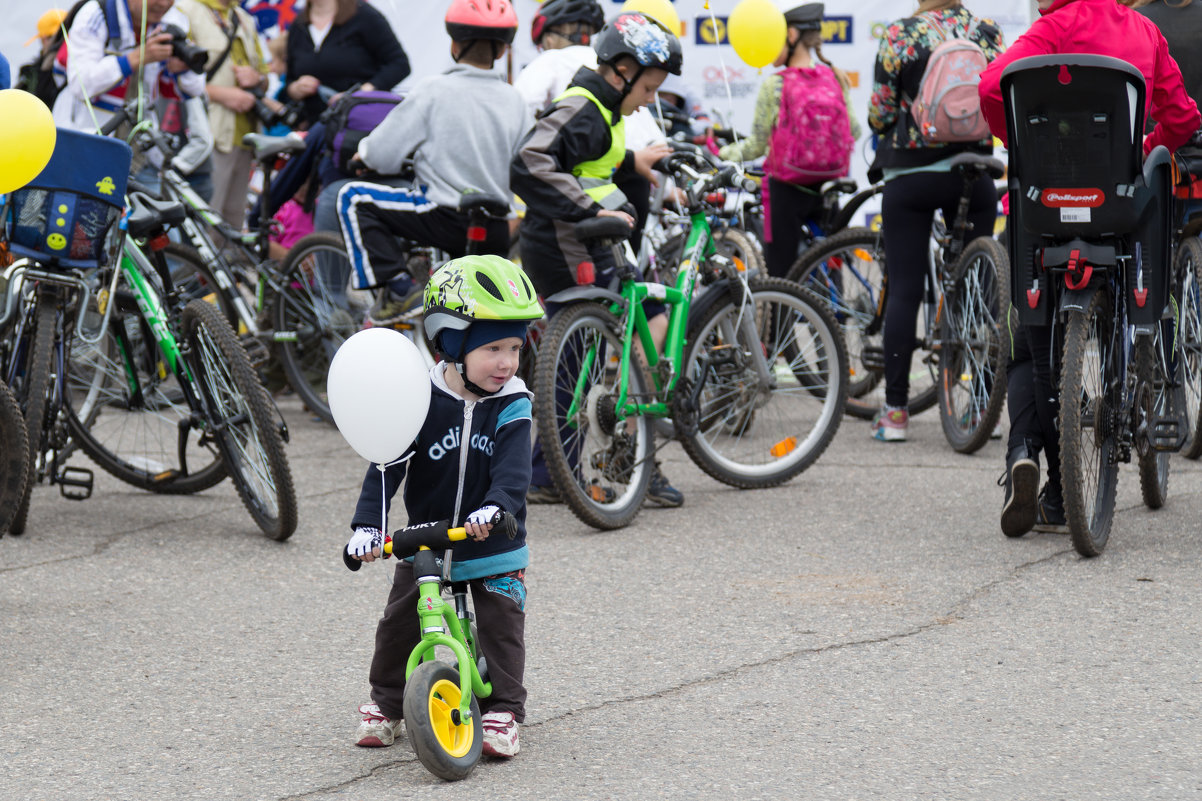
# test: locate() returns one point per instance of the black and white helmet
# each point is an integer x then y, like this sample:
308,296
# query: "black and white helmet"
561,12
643,38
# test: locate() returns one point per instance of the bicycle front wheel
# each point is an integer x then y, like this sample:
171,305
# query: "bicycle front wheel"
1189,299
242,419
14,451
128,412
314,313
769,374
447,746
1088,436
600,464
972,378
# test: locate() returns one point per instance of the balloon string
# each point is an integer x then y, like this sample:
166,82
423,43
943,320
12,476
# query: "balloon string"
384,491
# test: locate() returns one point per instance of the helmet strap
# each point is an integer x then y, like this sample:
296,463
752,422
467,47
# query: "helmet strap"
470,385
628,85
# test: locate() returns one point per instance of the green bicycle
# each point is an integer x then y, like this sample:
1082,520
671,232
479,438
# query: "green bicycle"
442,716
753,372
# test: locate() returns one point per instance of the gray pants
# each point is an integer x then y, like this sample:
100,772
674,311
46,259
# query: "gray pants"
500,618
231,177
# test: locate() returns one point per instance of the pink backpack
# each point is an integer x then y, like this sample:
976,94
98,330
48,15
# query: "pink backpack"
811,141
948,108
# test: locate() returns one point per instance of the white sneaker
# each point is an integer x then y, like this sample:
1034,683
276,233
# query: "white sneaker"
500,734
375,730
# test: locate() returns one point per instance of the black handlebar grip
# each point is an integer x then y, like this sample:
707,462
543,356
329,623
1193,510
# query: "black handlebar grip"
351,562
506,524
119,117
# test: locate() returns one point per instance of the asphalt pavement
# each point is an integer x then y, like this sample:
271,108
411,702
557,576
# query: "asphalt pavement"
862,632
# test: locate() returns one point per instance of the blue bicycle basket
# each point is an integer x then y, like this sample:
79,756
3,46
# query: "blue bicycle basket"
62,217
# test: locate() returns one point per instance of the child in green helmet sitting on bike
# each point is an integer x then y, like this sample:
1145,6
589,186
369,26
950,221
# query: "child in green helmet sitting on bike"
470,460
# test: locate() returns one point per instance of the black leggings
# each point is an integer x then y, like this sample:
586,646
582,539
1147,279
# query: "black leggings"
908,209
790,207
1032,393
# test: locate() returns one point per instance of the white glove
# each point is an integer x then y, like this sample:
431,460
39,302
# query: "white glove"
484,515
364,541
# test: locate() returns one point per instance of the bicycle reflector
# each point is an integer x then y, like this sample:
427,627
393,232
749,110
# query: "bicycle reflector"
586,273
476,233
784,447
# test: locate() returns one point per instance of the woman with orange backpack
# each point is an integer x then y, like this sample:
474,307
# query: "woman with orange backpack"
918,180
803,120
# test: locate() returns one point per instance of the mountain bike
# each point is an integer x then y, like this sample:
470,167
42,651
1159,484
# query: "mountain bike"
171,402
753,373
958,361
442,715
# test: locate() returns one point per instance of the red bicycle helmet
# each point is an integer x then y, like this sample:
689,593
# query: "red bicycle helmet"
469,20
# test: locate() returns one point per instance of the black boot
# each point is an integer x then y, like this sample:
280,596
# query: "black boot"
1021,481
660,491
1049,517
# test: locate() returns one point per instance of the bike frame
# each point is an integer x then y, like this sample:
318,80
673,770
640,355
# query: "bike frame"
446,625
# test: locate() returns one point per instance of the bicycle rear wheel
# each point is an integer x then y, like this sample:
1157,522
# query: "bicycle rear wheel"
1189,299
128,412
755,430
972,371
600,464
1088,434
847,271
33,393
314,312
242,419
14,457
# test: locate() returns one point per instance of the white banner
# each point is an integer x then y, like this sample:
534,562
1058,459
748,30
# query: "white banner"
851,33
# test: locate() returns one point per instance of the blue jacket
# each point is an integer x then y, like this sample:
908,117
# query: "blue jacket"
452,475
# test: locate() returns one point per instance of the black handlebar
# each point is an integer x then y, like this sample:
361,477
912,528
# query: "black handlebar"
437,536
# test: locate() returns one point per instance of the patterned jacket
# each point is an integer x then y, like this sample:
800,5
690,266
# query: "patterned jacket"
900,63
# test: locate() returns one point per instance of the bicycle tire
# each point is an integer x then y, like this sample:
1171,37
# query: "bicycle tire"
972,369
743,249
194,280
124,410
1156,400
310,320
1189,299
34,399
859,307
14,450
748,435
599,465
1088,469
447,749
242,418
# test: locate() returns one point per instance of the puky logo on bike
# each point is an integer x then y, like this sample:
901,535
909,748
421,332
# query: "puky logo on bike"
450,442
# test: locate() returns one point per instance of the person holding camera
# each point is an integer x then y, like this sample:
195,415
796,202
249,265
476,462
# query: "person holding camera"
106,53
236,77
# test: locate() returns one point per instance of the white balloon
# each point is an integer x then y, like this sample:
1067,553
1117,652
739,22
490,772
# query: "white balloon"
379,393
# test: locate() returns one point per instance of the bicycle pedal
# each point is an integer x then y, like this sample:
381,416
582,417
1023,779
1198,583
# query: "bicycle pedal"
1166,435
873,358
75,483
256,351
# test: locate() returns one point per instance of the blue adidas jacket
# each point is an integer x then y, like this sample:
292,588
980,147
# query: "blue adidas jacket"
452,474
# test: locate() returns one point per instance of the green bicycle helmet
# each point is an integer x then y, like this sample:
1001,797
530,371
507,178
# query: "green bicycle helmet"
467,292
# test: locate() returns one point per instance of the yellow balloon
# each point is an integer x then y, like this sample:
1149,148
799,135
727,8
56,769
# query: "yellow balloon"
27,137
757,31
661,10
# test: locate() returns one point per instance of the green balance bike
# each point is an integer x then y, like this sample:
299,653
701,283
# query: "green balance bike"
442,717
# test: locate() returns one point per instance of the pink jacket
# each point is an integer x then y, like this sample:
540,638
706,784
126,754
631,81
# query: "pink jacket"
1102,27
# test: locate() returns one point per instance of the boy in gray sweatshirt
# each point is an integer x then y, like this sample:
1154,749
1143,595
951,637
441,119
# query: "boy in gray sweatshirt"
461,129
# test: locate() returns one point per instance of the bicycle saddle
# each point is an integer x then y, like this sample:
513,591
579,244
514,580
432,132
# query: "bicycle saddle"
995,168
265,146
148,215
492,205
602,228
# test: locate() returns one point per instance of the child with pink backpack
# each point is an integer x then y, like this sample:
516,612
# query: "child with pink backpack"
925,111
803,120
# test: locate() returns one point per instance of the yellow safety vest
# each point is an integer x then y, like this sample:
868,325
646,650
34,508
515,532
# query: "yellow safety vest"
596,177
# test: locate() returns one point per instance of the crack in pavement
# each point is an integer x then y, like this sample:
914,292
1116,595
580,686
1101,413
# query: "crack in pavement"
722,675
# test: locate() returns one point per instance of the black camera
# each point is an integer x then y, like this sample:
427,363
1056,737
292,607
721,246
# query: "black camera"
288,116
193,55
